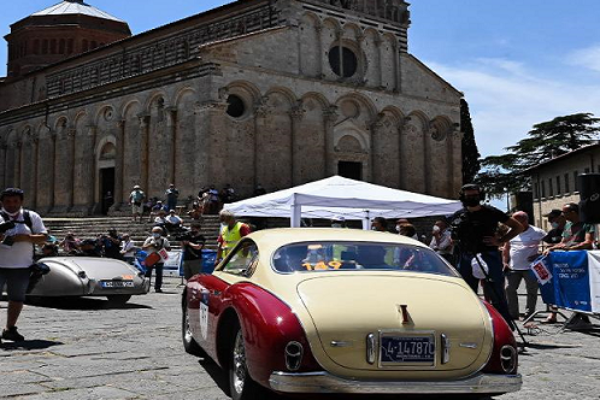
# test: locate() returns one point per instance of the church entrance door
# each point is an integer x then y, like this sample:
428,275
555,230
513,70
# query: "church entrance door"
350,169
107,189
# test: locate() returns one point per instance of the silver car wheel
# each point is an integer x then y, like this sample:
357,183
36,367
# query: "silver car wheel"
239,363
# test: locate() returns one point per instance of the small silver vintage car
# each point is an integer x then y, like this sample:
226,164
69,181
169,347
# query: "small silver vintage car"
87,276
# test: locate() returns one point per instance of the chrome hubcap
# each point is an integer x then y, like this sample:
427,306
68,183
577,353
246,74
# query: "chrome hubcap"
239,363
188,331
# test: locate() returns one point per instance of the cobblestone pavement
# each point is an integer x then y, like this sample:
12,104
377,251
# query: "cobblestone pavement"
82,349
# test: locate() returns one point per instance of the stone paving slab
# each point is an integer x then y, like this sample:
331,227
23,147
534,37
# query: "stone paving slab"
85,350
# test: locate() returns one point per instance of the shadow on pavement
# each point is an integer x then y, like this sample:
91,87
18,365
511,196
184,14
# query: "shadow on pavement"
81,303
29,345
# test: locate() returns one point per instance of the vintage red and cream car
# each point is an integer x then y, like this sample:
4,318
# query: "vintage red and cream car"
346,311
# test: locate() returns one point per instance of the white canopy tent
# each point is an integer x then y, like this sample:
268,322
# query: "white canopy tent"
337,196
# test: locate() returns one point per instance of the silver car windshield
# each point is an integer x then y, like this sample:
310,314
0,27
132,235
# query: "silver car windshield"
314,257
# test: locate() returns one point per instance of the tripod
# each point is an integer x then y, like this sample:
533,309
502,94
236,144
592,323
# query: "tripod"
490,284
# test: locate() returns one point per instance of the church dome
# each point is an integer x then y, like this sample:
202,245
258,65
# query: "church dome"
72,7
61,31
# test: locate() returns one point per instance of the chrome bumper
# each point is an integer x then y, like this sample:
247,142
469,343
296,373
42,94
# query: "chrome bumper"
322,382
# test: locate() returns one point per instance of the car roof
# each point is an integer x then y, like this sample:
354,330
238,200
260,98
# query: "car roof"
272,239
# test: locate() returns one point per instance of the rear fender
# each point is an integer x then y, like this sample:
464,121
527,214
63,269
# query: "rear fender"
503,338
268,325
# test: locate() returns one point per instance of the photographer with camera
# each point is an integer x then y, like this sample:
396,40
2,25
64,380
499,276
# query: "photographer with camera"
193,243
154,244
474,231
20,231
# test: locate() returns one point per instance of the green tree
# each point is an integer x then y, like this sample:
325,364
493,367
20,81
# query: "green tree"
547,140
470,153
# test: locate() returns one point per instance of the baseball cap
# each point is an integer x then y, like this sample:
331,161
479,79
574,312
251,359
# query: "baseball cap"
553,214
8,192
136,187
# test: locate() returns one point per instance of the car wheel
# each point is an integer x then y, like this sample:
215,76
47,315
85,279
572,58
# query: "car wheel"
241,385
118,299
189,343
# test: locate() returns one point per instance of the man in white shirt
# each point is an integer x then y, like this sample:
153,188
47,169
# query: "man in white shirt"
20,230
173,222
518,254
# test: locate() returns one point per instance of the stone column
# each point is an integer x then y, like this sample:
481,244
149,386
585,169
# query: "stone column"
71,134
397,67
296,116
18,163
171,115
120,166
145,143
375,127
378,43
338,39
427,157
35,140
206,115
260,113
53,135
331,116
320,49
3,148
361,59
94,185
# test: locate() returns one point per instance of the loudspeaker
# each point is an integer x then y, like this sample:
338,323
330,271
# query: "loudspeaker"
589,191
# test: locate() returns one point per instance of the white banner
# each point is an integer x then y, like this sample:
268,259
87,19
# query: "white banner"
594,264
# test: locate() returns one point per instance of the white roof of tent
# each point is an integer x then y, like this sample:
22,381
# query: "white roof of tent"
337,196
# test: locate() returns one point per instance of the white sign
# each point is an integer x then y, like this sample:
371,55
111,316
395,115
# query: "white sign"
541,271
594,264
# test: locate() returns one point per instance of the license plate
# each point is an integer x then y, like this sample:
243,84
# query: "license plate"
407,349
116,284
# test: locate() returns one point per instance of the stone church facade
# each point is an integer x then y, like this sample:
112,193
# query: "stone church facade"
270,92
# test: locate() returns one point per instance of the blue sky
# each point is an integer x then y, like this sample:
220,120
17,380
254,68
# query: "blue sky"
518,62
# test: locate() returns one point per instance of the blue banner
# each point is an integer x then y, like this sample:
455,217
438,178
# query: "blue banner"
570,283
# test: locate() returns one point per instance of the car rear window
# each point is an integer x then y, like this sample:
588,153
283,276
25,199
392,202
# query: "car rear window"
314,257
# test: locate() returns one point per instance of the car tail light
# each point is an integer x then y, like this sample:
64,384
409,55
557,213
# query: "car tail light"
293,356
505,358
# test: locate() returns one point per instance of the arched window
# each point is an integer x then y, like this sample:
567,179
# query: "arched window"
61,46
70,46
93,45
45,46
84,45
53,46
36,46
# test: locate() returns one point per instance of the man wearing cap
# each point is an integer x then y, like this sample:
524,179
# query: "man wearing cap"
558,221
20,231
136,199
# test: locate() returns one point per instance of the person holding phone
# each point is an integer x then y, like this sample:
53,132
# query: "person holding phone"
20,231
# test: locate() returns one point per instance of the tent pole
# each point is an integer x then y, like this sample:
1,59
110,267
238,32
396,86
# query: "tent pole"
366,221
296,217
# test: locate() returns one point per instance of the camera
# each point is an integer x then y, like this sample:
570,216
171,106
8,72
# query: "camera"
6,226
465,232
183,237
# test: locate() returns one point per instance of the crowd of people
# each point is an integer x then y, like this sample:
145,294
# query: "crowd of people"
479,237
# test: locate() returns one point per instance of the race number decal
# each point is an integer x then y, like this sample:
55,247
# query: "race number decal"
204,316
322,266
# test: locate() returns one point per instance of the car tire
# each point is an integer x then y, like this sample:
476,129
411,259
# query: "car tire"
189,343
118,299
241,385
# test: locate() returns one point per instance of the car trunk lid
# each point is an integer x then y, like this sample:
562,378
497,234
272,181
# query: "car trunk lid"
397,311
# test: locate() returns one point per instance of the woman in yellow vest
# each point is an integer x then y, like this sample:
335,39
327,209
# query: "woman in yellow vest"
231,233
